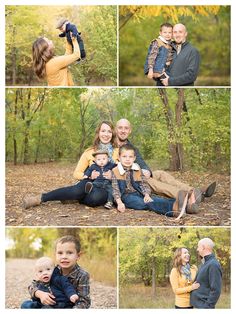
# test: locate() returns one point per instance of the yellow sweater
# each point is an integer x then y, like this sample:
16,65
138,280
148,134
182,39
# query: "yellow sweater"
57,72
181,287
86,161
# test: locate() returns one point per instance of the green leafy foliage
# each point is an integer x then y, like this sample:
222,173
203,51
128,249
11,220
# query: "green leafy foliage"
140,24
63,125
96,23
138,247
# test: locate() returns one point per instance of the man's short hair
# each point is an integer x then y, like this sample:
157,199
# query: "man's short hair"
166,25
125,148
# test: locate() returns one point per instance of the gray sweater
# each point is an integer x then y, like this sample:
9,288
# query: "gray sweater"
210,278
184,69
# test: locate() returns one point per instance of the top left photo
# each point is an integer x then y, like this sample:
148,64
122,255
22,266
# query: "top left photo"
61,45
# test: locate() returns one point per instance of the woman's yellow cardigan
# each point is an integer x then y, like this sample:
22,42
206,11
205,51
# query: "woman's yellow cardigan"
181,287
57,72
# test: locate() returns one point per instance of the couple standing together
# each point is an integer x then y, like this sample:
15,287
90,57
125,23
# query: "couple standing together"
195,288
132,183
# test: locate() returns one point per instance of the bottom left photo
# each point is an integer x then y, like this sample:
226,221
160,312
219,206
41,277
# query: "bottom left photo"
61,268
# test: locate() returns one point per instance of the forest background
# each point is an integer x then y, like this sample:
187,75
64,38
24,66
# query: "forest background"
208,30
98,27
144,272
175,129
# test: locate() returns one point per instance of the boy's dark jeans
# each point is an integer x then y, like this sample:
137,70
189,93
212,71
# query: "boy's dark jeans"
159,205
29,304
97,197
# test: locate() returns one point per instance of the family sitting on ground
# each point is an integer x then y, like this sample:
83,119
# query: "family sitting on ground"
113,171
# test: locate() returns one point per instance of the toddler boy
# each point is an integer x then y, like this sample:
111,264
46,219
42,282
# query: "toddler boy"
66,28
49,279
101,164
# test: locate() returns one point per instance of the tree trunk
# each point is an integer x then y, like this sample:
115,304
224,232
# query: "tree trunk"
154,290
178,116
13,57
38,147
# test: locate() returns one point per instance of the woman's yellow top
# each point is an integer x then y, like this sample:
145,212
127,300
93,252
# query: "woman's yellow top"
181,287
57,72
87,159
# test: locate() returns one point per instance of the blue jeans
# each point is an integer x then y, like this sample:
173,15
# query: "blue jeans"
97,197
30,304
159,205
106,185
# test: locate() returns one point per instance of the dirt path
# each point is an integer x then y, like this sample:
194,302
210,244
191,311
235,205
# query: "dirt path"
34,179
19,275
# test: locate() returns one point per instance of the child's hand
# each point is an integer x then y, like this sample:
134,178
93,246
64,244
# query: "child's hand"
121,207
150,73
46,298
147,198
74,298
94,174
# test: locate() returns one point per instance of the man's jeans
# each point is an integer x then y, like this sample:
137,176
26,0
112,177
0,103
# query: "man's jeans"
159,205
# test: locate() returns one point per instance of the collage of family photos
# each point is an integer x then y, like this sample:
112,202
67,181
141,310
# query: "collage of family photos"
117,150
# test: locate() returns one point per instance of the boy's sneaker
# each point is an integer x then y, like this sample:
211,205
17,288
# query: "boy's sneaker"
108,205
88,187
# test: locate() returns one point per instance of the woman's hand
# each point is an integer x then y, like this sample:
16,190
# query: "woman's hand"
46,298
147,198
121,207
94,174
195,285
107,174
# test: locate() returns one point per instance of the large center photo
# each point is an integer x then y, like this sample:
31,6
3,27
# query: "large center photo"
117,157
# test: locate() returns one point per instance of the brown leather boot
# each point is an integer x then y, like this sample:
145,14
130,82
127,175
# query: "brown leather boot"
31,201
179,207
195,198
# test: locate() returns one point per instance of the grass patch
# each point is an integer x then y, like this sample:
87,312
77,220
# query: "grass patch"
137,296
101,269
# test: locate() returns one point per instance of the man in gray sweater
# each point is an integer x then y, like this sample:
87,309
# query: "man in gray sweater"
184,68
209,277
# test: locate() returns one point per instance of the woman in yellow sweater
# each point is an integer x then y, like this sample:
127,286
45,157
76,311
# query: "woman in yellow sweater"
105,139
54,68
182,278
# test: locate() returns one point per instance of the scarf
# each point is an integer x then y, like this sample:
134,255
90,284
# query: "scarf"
109,148
185,270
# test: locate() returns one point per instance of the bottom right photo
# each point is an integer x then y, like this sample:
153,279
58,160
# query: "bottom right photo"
180,267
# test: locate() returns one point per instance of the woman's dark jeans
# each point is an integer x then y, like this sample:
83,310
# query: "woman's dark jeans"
97,197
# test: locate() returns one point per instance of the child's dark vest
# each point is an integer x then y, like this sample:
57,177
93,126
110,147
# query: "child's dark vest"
136,179
161,58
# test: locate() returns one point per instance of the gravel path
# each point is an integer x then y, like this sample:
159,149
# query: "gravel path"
19,275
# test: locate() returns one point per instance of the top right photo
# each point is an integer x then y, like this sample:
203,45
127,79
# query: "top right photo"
174,45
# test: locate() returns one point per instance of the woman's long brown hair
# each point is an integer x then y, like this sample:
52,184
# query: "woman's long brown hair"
96,141
177,262
41,55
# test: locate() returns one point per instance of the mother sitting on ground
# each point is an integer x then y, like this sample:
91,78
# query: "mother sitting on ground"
105,138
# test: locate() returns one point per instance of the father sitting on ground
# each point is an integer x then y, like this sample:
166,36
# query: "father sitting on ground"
161,182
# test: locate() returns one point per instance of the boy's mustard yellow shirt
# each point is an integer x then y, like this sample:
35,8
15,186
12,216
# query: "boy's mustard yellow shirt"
87,159
57,71
180,286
